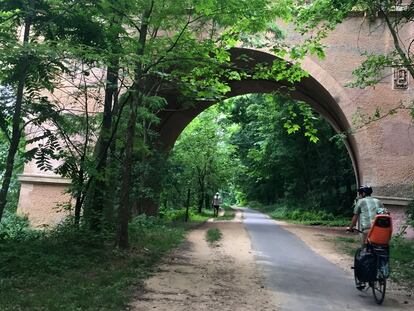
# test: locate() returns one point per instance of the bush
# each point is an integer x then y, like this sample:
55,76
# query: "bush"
177,215
145,223
296,214
15,227
410,213
154,232
170,214
402,261
213,235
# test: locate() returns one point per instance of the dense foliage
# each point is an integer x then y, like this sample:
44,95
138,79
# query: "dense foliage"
262,148
83,83
92,76
289,153
201,163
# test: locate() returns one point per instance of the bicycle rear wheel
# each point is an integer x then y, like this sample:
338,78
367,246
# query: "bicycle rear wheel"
378,289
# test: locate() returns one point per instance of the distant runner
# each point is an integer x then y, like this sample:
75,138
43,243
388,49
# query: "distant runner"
216,203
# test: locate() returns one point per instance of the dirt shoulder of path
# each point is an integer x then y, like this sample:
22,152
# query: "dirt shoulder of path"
199,276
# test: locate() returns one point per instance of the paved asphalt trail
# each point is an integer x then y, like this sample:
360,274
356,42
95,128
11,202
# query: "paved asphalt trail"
302,279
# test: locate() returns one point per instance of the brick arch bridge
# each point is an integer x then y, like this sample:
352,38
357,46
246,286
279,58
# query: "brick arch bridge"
324,98
382,152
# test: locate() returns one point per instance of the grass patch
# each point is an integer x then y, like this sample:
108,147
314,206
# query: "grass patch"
348,240
298,215
178,215
213,235
229,213
402,261
67,269
203,216
348,245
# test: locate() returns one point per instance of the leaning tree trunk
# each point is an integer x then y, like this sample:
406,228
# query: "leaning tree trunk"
99,188
17,115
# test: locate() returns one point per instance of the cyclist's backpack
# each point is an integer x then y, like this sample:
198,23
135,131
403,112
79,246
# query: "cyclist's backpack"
365,266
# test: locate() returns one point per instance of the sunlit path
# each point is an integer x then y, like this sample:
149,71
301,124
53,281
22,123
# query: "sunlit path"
301,279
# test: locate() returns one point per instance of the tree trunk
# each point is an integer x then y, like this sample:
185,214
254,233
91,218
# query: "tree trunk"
17,115
100,187
206,199
187,205
148,206
113,173
79,197
124,203
136,100
201,197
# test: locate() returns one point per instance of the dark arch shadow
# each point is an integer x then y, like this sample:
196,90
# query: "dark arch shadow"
175,118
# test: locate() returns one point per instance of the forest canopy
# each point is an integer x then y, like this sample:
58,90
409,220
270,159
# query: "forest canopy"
263,148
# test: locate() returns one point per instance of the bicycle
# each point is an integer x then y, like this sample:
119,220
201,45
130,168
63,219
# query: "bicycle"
375,270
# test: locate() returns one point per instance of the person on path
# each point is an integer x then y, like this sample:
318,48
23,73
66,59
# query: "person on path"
365,211
216,203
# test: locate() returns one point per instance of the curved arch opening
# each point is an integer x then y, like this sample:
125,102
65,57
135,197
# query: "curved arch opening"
288,173
310,90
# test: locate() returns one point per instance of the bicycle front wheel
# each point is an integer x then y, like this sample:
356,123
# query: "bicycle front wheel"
378,289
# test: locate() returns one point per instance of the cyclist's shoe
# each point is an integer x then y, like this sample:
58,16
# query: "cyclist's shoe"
360,286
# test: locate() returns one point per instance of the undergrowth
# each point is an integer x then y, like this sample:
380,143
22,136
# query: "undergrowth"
175,215
74,269
285,211
402,261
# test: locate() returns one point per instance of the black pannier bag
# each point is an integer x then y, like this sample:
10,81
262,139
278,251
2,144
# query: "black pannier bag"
382,254
365,266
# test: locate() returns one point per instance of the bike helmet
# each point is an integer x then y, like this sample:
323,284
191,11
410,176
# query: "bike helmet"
365,189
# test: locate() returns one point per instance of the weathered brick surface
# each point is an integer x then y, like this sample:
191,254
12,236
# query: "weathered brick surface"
42,203
386,147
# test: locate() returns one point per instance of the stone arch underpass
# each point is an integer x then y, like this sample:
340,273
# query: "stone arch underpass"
320,91
382,152
175,118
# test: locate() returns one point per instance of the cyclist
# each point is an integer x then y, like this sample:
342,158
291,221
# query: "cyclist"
365,211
